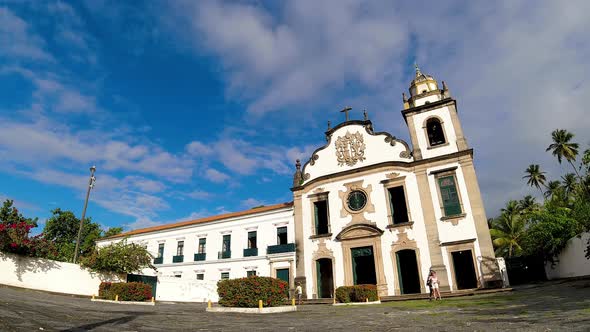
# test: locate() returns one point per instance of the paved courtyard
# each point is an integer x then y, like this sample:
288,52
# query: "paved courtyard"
556,306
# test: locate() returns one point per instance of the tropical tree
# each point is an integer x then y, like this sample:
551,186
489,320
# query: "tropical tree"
112,231
534,176
562,148
528,204
554,190
508,230
549,232
62,229
119,257
570,183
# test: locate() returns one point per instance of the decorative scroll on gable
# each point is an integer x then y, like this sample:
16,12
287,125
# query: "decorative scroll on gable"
352,145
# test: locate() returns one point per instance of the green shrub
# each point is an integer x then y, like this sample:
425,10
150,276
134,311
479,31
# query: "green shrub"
127,291
104,288
343,294
357,293
246,292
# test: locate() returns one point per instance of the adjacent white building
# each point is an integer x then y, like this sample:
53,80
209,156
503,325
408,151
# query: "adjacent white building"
367,208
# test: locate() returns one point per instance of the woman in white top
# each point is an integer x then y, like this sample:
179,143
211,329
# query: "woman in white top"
433,283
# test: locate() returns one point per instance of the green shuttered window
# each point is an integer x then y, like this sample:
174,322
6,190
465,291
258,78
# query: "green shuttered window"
450,197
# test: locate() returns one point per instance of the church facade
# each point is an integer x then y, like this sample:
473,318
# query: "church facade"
368,208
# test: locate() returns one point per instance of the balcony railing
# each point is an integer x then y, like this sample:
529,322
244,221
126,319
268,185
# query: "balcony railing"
279,248
158,260
200,257
224,254
177,259
250,252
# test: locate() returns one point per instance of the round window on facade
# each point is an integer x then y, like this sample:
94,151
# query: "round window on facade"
357,200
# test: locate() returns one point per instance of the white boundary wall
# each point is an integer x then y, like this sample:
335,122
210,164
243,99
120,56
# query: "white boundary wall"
572,261
49,275
186,290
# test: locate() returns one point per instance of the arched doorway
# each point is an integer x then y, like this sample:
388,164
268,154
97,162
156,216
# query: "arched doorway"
408,274
325,278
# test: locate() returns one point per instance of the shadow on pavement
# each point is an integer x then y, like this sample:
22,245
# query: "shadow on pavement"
115,321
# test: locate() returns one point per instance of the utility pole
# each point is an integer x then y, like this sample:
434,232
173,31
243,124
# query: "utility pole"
90,186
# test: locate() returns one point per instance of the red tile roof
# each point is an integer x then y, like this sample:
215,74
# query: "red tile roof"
204,220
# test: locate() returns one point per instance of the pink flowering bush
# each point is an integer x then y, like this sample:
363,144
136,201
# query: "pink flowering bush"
15,234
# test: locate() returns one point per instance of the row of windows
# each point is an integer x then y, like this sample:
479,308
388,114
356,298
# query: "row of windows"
252,243
224,275
397,204
283,274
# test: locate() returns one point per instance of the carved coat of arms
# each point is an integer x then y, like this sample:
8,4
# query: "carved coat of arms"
350,148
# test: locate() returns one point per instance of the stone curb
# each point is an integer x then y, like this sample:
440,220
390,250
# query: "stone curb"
268,310
357,303
123,302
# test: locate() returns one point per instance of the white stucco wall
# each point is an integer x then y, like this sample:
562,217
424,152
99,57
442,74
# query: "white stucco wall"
423,100
572,261
185,290
48,275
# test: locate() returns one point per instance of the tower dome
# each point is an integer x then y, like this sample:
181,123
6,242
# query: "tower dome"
423,90
422,83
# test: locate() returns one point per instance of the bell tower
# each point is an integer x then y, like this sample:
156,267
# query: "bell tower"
431,116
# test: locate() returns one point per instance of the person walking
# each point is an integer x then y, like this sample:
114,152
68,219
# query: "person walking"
432,282
299,292
429,284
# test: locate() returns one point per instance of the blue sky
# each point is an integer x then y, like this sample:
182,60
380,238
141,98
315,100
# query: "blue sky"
193,108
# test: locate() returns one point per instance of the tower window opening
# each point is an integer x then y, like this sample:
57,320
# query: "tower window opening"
424,91
435,132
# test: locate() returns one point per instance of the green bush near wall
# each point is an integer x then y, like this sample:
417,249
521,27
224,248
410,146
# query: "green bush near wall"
357,293
127,291
246,292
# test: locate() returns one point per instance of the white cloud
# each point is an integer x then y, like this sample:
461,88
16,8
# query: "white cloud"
49,141
251,203
310,49
216,176
198,149
142,222
199,195
18,40
518,71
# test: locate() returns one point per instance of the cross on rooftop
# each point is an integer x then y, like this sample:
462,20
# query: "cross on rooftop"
345,111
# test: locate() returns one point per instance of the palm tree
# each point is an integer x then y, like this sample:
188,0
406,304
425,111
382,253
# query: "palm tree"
570,183
563,148
512,207
528,204
508,231
534,176
553,189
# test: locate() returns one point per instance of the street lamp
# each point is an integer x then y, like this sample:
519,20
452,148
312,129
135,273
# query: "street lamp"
90,186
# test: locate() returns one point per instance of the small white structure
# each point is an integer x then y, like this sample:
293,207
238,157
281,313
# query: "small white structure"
572,261
367,209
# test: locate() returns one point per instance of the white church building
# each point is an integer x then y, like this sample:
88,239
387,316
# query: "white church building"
368,208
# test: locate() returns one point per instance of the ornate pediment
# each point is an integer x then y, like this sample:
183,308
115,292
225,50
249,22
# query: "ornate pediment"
359,231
